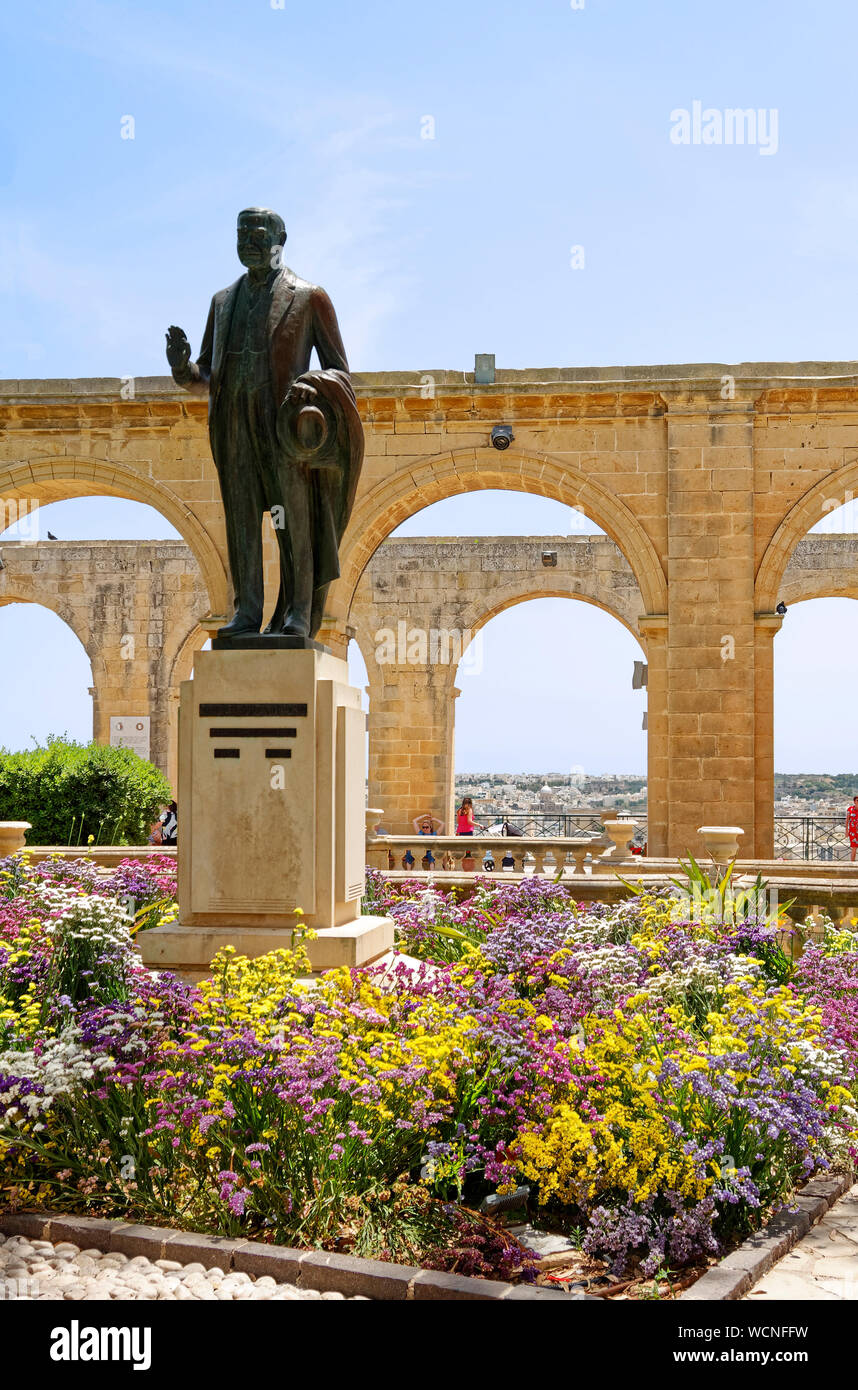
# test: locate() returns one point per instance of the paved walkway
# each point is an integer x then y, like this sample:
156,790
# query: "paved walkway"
37,1269
824,1265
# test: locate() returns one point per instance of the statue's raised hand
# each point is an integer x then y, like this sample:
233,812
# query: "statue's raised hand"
178,349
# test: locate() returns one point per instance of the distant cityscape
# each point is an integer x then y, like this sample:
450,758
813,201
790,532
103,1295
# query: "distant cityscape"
500,795
497,795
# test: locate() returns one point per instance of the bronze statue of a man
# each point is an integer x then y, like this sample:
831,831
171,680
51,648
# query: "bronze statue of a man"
285,439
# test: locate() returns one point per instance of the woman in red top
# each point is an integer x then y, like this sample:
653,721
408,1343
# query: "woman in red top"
852,827
465,818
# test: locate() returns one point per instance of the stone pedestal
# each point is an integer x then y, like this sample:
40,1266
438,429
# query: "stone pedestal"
271,812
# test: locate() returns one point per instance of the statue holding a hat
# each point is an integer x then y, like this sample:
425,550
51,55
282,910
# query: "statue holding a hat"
285,439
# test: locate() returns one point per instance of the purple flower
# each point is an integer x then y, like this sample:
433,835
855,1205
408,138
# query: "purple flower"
238,1201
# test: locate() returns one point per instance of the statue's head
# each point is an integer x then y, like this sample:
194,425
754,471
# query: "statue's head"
261,234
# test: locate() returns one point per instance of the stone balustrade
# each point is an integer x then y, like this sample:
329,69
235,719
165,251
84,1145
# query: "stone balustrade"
460,854
105,856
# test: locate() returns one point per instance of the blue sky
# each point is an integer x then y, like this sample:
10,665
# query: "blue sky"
551,130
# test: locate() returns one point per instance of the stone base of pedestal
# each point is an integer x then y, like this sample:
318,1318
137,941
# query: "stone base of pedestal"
188,951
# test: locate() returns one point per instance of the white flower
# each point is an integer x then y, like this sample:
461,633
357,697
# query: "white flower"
63,1064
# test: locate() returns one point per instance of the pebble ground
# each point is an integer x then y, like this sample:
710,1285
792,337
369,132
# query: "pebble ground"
40,1270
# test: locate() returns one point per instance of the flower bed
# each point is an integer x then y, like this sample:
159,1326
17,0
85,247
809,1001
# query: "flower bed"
658,1085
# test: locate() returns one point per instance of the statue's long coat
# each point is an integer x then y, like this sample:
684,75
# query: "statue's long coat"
301,318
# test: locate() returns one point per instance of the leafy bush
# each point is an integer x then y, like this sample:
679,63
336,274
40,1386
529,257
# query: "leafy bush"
70,791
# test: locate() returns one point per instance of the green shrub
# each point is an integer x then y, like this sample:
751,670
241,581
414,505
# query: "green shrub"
71,791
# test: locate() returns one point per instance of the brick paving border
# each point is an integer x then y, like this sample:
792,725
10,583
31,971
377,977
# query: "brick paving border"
308,1269
730,1279
733,1276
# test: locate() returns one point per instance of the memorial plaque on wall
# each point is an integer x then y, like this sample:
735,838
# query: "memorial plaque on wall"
130,732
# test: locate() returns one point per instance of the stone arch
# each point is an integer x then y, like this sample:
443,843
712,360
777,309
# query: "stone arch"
182,664
24,592
180,669
822,586
415,485
30,591
413,707
52,479
836,577
523,589
805,513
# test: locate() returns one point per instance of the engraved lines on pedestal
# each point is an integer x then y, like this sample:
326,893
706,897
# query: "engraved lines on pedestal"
253,710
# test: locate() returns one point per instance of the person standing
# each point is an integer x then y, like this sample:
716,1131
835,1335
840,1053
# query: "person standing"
852,827
465,817
428,825
169,822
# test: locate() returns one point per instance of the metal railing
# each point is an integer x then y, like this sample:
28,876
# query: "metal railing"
796,837
811,837
562,825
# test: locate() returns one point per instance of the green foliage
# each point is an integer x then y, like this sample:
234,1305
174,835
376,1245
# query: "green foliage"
694,874
72,791
812,785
